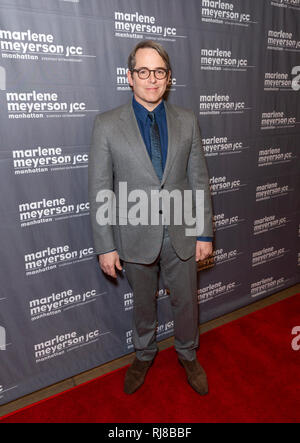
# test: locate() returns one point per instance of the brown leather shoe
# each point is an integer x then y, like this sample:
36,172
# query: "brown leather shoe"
195,375
135,375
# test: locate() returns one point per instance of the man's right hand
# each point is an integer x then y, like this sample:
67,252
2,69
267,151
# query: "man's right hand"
109,262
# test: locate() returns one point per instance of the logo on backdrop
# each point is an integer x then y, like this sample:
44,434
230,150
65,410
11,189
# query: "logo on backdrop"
218,104
267,284
128,301
2,339
128,339
46,159
271,190
139,26
122,83
50,210
30,45
273,156
219,146
224,13
267,255
60,344
277,120
165,328
59,302
296,78
222,221
282,40
37,105
282,81
286,4
53,257
222,60
269,223
220,185
219,257
215,290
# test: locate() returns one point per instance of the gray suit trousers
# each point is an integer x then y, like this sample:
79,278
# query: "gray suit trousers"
180,277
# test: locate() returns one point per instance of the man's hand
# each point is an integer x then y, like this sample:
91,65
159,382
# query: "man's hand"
109,262
203,250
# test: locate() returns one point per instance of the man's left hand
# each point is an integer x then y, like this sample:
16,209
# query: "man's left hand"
203,250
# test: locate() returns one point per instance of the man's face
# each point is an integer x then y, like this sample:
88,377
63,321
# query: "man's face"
148,92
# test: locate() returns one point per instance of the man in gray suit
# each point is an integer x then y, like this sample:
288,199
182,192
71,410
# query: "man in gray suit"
144,148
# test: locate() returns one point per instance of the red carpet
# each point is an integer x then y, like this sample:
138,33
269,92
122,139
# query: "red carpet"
253,375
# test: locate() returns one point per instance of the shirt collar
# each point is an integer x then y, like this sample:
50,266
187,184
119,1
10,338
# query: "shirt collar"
142,113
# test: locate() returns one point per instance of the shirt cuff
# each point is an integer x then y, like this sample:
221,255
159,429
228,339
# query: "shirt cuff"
208,239
107,251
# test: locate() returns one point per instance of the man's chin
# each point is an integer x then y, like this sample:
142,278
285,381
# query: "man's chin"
150,101
153,100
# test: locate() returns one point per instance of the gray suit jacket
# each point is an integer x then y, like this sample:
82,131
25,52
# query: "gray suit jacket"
118,154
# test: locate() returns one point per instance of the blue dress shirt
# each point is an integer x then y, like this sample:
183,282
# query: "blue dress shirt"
144,123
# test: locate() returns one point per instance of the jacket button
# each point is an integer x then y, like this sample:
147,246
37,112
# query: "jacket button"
160,211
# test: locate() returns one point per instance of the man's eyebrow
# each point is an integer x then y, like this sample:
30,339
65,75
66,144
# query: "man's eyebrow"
145,67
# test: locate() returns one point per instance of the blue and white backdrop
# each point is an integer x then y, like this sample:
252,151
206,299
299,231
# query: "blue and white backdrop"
236,63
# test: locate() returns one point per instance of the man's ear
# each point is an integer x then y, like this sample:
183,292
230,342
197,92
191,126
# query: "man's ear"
130,79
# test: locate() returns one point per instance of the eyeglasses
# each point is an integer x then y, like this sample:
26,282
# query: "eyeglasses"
144,73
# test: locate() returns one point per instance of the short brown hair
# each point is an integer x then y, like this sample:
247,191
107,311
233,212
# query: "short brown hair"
148,44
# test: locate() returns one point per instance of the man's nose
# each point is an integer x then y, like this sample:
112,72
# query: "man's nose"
152,77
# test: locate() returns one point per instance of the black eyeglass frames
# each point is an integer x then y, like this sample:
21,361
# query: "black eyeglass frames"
144,73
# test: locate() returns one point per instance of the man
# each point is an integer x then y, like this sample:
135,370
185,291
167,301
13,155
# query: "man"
151,146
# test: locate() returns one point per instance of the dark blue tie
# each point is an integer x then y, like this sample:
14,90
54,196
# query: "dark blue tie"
156,156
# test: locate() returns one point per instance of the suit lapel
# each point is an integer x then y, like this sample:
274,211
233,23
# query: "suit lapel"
131,132
174,132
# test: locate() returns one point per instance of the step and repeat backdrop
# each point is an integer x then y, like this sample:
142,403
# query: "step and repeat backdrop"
236,63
